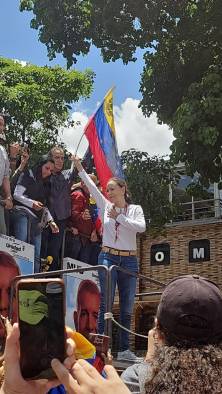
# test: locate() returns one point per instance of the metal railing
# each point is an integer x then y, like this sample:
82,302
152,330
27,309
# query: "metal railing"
109,305
108,285
199,210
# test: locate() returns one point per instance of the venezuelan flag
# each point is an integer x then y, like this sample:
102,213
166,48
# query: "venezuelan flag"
100,132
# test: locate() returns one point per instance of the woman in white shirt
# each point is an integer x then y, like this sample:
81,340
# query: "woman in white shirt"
121,222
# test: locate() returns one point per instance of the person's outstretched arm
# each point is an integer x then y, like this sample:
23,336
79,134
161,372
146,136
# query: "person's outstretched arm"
94,191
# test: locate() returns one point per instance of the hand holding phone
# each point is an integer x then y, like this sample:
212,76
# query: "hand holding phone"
101,343
41,317
13,380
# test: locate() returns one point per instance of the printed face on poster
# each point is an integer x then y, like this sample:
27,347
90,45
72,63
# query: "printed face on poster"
16,258
82,298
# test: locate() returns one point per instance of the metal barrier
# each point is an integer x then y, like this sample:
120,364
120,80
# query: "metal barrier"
59,273
108,283
199,210
109,315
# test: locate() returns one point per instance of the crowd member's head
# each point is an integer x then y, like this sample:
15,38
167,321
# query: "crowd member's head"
88,302
44,168
8,271
2,129
57,154
117,191
189,322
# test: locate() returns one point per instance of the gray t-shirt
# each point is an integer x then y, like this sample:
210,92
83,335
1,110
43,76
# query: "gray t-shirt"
135,377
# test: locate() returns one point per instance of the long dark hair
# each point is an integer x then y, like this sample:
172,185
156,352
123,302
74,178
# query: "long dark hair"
37,168
122,183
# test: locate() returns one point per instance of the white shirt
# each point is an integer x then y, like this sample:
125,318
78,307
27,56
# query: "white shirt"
19,195
131,220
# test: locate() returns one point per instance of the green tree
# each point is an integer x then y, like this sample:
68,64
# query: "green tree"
37,100
148,179
183,55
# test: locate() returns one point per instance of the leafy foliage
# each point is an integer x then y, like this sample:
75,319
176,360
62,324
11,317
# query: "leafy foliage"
182,41
37,100
148,179
197,127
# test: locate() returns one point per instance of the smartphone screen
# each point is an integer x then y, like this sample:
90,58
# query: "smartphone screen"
41,317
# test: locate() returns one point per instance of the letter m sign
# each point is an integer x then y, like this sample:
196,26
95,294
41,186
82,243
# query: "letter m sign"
199,250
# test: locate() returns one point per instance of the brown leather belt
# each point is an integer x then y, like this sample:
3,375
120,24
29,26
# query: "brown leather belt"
118,252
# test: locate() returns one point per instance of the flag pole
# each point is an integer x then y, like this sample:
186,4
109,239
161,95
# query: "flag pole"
79,142
72,165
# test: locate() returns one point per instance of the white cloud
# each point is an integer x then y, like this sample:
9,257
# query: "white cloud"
71,135
22,62
133,130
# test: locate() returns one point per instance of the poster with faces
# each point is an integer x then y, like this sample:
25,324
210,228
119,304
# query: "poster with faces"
16,258
82,297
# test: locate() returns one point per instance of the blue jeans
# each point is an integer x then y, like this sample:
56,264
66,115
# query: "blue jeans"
21,223
52,244
81,249
127,290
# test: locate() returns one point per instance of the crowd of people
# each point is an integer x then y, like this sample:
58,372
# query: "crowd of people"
44,205
41,203
184,352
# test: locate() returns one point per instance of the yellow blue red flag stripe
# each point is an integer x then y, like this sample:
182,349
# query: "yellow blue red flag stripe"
100,132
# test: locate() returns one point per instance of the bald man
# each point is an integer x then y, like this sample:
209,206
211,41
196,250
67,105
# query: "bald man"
88,302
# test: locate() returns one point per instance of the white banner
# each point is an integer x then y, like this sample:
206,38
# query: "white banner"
22,252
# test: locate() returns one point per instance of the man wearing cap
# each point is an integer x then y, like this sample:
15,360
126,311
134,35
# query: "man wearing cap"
188,329
84,230
6,202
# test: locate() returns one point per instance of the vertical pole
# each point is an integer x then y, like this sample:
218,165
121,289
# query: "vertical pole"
193,209
108,322
216,201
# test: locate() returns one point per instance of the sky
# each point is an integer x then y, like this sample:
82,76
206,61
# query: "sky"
133,130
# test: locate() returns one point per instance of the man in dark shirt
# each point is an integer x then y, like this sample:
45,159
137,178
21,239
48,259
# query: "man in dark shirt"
59,206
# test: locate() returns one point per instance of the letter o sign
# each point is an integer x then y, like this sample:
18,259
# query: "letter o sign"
160,254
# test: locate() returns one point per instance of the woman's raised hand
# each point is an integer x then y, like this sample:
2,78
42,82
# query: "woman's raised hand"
77,162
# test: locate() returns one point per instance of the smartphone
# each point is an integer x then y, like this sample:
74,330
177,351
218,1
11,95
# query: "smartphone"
41,317
101,343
